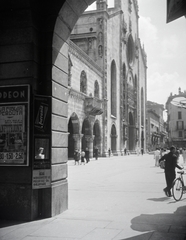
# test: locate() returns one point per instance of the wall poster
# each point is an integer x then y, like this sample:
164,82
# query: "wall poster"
14,125
41,177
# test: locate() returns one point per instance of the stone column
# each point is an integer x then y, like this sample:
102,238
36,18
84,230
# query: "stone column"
89,140
76,141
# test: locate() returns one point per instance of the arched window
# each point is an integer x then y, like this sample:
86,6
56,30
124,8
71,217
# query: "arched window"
130,50
142,107
83,82
96,89
135,83
113,89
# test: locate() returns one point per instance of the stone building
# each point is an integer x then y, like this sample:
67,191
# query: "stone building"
176,110
156,126
85,104
106,56
34,64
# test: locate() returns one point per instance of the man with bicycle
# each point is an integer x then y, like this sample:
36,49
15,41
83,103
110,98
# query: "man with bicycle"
170,165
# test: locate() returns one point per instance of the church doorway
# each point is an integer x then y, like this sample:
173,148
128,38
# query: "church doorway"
113,139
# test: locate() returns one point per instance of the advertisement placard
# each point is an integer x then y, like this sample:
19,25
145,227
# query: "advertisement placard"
42,160
41,179
14,125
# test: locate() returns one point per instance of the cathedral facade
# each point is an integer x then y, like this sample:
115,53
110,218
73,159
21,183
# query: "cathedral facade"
107,81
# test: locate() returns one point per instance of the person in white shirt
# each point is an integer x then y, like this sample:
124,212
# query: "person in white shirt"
184,155
157,157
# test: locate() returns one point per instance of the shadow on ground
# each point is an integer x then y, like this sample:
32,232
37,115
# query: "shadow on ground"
8,223
160,226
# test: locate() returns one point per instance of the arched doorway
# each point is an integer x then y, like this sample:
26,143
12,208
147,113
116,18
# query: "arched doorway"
45,44
87,133
97,136
113,139
113,89
73,130
142,139
131,132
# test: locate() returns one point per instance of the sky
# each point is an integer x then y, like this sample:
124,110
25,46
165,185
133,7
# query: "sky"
165,46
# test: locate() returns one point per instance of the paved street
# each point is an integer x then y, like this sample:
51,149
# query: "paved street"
118,198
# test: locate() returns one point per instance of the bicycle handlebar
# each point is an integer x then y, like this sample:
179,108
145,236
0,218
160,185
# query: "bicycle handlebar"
181,172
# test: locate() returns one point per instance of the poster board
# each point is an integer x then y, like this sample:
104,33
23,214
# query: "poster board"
14,125
41,177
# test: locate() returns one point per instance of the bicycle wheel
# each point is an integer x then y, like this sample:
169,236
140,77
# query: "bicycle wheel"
177,189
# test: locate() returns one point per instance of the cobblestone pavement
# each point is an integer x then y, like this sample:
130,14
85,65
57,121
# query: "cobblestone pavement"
116,198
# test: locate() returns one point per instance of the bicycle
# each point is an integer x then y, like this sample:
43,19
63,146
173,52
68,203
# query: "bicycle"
179,187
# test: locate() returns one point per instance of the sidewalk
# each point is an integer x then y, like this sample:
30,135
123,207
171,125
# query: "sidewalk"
117,198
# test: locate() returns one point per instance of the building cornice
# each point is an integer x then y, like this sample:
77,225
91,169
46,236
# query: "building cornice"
82,56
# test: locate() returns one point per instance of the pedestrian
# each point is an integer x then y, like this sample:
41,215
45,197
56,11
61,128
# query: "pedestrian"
109,152
138,151
142,151
77,156
82,157
87,155
157,157
184,155
96,153
125,151
170,165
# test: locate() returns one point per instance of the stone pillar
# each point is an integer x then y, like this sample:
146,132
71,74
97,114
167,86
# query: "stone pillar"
89,140
76,141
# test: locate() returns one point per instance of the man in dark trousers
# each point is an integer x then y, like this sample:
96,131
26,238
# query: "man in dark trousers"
87,155
170,165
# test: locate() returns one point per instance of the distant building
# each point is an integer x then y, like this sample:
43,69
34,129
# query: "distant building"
176,110
156,126
107,81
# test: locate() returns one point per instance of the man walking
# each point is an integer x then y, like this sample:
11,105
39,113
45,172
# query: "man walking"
170,165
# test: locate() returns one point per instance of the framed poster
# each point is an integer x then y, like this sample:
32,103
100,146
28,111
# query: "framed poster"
14,125
41,176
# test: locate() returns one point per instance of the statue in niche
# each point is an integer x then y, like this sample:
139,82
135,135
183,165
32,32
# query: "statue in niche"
100,22
100,38
89,43
83,82
100,51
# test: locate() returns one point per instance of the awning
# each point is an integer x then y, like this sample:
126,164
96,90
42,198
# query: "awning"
175,9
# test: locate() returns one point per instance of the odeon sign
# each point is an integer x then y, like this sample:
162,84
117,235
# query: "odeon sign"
14,93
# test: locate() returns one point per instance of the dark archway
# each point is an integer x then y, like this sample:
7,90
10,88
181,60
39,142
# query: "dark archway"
73,130
142,107
142,139
113,139
35,49
131,132
97,136
113,89
87,133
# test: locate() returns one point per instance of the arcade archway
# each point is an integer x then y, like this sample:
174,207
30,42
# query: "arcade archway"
73,130
97,136
41,32
86,134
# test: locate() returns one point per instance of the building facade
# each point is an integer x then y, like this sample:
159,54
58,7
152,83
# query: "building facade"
34,45
176,110
106,56
156,126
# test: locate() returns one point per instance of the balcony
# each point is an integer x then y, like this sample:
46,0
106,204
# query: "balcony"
93,106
